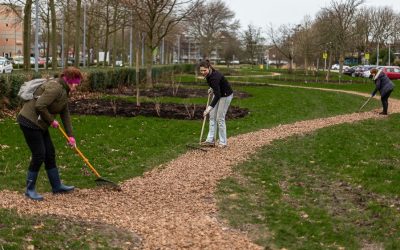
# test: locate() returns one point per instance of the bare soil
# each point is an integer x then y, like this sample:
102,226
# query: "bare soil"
173,91
162,110
173,206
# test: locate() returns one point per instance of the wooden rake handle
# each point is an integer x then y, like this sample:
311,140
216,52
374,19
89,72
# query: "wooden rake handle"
365,103
204,119
80,153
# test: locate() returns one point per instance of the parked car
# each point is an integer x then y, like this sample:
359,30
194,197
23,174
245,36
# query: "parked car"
119,63
5,66
360,70
366,71
393,72
350,71
335,66
41,60
18,60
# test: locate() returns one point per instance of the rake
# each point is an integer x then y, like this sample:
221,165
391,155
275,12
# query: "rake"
202,131
100,181
365,103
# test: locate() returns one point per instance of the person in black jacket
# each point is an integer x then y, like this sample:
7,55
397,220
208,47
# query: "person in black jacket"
385,87
222,97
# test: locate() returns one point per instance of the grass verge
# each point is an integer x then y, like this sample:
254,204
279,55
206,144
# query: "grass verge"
39,232
337,188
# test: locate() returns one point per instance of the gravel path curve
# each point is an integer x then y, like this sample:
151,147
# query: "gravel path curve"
173,206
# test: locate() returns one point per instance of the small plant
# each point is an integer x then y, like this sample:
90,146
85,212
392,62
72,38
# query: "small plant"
114,106
174,85
190,110
121,88
157,106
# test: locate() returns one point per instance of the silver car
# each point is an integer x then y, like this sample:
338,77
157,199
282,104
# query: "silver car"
5,66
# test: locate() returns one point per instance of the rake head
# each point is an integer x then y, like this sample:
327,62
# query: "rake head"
109,184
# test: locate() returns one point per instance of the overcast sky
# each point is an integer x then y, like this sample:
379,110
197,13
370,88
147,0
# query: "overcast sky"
276,12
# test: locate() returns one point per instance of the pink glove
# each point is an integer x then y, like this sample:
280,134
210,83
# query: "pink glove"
71,141
55,124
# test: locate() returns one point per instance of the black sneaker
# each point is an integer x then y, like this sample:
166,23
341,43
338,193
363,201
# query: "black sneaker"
383,113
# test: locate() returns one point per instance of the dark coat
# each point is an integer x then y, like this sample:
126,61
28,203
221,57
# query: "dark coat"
382,84
220,86
51,98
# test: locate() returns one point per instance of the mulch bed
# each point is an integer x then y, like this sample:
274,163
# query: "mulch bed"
170,92
162,110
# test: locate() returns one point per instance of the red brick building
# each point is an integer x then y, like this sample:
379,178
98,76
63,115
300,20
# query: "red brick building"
11,40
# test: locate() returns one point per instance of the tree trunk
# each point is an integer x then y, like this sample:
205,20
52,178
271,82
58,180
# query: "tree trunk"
114,50
54,53
329,67
306,65
68,31
106,37
47,49
77,33
137,72
124,53
27,35
149,66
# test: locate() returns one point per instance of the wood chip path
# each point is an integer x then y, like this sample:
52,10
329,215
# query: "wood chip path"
173,206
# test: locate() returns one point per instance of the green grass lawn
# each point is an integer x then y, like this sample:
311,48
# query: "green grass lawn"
337,187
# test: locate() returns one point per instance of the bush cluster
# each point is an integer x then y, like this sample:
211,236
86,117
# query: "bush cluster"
97,79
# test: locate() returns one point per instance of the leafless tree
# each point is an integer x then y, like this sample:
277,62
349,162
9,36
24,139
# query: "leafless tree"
383,26
306,43
362,31
77,41
27,34
230,47
53,34
253,42
283,40
158,17
208,22
341,16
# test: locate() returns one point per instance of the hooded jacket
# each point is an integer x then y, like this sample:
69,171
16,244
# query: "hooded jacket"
50,99
382,83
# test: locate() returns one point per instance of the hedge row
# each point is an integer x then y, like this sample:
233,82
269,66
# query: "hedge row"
97,79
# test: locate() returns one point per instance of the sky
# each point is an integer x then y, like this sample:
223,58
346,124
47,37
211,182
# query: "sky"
261,13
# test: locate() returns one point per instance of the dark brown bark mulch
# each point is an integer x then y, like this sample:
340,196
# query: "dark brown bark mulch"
180,92
129,109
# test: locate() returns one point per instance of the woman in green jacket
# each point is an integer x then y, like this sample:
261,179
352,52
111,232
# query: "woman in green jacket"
36,115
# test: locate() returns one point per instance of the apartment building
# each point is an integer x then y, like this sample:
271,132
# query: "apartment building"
11,40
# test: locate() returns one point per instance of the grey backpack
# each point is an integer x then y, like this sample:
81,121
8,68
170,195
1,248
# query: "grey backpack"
28,88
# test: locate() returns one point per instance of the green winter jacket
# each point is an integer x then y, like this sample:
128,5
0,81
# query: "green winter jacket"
50,99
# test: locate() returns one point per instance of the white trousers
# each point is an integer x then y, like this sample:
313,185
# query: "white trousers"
217,117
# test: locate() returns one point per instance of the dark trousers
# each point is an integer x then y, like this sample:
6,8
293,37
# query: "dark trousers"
42,148
385,101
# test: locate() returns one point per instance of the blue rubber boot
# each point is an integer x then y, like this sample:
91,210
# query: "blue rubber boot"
30,186
55,182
